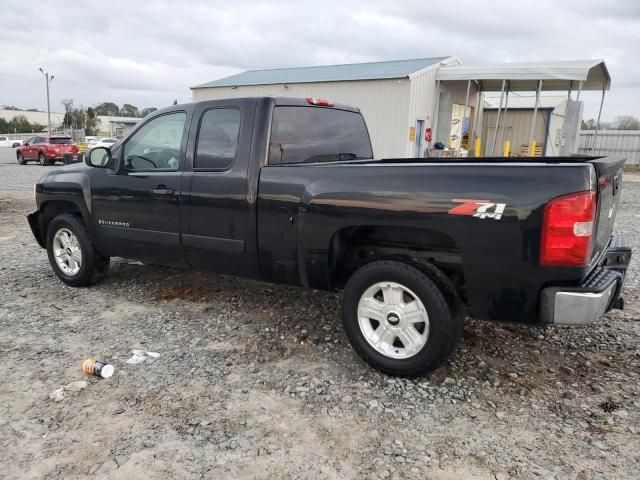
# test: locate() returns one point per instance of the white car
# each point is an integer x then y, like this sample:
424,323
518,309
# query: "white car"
103,142
5,141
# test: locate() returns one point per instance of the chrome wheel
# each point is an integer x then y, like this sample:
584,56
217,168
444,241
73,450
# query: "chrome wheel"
67,252
393,320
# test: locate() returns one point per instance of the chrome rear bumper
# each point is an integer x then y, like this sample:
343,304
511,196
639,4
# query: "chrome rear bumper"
599,293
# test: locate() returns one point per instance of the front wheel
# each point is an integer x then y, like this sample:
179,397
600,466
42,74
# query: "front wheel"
72,255
21,159
398,319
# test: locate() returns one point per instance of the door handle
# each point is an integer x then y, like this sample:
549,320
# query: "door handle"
163,192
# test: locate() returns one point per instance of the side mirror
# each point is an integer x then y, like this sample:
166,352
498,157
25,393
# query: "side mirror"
26,144
98,157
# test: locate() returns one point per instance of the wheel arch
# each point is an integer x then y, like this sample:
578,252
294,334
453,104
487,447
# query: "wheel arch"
50,209
352,247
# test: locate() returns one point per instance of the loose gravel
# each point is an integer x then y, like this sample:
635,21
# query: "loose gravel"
258,381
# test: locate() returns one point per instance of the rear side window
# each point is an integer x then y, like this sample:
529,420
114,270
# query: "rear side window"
60,141
218,139
311,134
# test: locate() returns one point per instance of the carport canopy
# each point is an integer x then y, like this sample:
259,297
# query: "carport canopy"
556,75
535,76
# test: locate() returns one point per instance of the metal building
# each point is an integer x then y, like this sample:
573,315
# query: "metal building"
432,106
396,97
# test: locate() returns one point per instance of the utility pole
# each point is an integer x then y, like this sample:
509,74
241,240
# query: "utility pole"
48,80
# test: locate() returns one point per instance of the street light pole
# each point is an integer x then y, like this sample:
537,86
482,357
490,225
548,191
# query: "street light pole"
48,80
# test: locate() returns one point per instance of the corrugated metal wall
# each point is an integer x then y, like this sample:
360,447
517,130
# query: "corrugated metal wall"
421,104
384,104
619,143
518,125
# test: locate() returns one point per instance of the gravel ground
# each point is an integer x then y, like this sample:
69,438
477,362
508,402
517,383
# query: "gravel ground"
258,381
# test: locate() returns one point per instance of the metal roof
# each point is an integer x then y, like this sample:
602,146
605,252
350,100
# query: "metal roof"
556,75
327,73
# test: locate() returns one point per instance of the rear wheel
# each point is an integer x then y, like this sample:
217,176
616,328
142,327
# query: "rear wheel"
72,254
21,159
42,160
398,319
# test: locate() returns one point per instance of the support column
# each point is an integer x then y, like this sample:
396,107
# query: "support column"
595,136
532,143
495,133
504,118
476,116
464,115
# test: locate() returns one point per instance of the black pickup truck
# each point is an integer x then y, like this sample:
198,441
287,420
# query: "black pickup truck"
286,190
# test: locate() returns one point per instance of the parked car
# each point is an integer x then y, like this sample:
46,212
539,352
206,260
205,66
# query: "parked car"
17,143
287,190
46,150
103,142
5,141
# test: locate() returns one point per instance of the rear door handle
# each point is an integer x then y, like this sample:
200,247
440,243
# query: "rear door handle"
163,192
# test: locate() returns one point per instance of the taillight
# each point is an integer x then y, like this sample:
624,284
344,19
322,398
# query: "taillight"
320,102
567,229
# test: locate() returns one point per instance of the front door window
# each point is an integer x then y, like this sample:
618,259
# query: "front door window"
157,145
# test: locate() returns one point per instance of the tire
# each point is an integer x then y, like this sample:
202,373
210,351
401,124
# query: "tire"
42,160
81,270
405,293
21,159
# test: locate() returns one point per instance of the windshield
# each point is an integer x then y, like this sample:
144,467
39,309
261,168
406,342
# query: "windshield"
60,141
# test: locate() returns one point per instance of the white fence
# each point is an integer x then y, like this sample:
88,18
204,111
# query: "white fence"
77,135
619,143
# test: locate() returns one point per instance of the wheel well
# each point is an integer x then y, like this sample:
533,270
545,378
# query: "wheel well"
52,209
353,247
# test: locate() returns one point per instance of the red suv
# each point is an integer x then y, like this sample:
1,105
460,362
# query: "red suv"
46,150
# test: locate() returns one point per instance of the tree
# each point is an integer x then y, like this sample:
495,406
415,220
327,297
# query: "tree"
20,124
129,110
91,122
78,118
626,122
146,111
107,108
67,103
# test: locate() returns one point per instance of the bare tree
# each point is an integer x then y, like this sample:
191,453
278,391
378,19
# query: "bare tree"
67,103
626,122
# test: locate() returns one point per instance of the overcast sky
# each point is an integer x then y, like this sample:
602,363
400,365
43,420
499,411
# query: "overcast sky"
150,53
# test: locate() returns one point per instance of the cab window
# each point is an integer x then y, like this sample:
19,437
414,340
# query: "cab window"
311,135
156,145
218,139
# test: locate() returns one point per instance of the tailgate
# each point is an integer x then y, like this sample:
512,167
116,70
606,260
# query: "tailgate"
64,148
609,173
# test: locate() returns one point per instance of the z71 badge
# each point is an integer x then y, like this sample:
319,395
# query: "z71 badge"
478,208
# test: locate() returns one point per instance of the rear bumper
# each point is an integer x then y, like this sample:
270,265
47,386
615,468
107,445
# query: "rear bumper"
600,292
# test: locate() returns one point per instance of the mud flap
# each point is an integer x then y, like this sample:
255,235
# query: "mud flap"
35,222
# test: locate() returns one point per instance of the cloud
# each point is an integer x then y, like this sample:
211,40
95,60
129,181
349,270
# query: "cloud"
150,53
